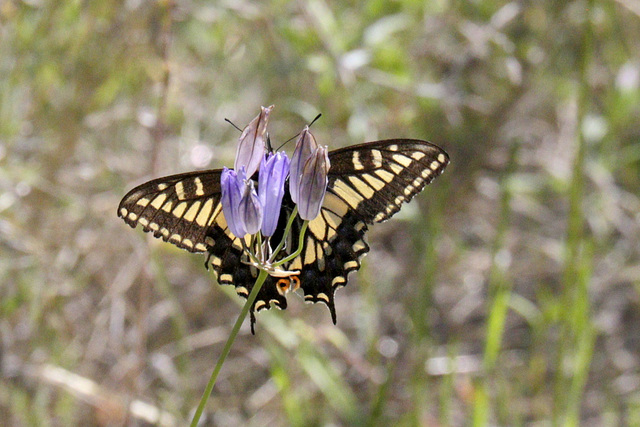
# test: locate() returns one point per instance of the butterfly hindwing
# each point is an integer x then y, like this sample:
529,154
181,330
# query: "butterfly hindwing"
331,251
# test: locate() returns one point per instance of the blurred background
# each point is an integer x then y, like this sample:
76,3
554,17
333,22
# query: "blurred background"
507,293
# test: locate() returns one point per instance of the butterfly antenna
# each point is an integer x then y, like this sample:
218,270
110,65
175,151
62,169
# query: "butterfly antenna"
232,124
314,120
269,146
309,125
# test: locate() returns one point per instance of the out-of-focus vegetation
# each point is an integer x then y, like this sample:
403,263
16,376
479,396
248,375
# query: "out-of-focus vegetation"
507,293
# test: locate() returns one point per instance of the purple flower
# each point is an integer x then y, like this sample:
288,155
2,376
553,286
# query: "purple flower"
251,147
240,203
273,173
305,147
312,185
232,185
250,209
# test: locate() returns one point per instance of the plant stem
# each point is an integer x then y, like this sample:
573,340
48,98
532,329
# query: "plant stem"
285,234
227,347
303,230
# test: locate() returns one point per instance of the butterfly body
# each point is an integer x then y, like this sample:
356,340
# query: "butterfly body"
367,183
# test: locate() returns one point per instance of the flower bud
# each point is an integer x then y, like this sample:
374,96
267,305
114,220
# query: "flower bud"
305,147
251,145
313,184
232,188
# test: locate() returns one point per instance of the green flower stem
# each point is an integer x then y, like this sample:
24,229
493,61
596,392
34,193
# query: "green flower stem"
227,347
249,252
259,252
286,233
303,230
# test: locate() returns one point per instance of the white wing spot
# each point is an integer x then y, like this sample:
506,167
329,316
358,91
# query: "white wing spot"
203,216
162,186
357,164
377,158
385,175
362,187
393,147
374,182
215,214
441,158
159,201
180,190
199,187
143,221
351,265
402,159
309,255
417,155
123,212
192,212
338,280
143,202
318,228
358,246
426,173
323,297
396,168
435,165
167,207
347,193
132,216
179,210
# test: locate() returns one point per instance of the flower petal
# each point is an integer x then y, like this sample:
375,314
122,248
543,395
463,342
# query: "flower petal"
250,209
313,184
305,147
231,196
273,173
251,144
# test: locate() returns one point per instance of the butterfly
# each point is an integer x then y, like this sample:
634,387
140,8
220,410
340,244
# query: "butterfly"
367,184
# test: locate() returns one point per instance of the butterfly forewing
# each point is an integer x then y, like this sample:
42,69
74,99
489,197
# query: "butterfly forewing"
178,208
374,179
